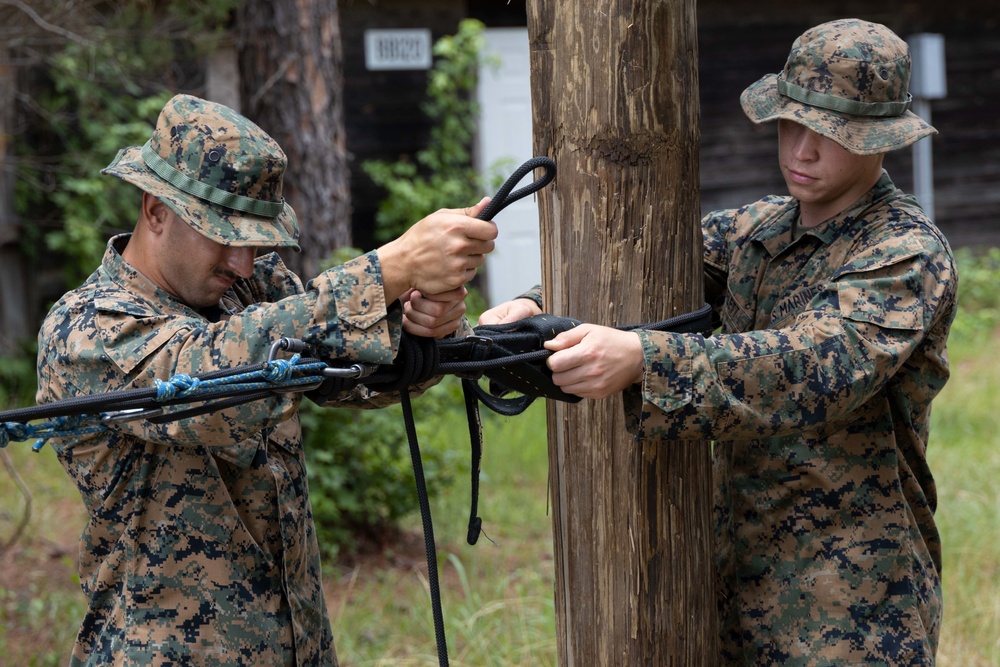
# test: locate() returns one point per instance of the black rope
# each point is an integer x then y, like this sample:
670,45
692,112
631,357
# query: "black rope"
504,197
430,546
512,358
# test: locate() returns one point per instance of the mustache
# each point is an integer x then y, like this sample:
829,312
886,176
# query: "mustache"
228,275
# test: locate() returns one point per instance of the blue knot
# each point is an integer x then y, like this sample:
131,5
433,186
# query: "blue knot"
14,432
179,386
280,370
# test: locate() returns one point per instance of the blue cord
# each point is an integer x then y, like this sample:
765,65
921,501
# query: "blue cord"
276,374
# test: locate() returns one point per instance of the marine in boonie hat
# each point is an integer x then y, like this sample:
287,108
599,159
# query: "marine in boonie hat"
215,169
847,80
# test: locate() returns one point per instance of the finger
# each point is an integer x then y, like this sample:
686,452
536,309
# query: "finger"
573,381
432,314
523,308
565,360
491,316
425,310
581,381
431,306
437,329
457,294
478,230
473,211
568,338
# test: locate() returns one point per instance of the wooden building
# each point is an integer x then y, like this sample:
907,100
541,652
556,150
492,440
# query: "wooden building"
738,43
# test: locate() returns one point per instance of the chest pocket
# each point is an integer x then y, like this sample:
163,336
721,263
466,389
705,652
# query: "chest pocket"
130,332
735,318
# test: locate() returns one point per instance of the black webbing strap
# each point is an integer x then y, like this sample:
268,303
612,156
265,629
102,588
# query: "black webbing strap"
512,357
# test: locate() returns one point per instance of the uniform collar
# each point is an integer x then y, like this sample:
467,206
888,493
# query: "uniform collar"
120,274
773,234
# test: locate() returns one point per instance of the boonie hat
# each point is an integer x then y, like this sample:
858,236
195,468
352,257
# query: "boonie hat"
215,169
847,80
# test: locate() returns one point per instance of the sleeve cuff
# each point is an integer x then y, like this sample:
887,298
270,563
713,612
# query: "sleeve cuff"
667,382
534,294
369,328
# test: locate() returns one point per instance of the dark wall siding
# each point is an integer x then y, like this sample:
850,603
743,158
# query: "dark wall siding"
382,108
738,43
738,159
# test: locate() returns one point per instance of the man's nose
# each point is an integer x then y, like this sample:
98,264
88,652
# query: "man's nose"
806,145
240,260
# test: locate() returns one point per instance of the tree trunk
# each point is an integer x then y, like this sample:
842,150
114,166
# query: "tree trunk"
291,65
14,305
615,103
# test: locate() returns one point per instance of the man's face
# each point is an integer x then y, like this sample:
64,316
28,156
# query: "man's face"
824,177
196,269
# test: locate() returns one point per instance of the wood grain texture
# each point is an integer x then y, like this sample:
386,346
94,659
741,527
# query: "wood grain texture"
615,103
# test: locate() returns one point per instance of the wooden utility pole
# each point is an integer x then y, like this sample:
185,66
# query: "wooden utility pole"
615,103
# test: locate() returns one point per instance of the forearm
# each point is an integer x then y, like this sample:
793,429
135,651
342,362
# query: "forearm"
761,383
132,344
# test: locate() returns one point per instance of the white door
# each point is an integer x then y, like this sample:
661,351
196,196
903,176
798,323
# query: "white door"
504,143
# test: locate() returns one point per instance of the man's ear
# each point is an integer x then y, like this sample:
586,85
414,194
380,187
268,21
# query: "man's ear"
154,213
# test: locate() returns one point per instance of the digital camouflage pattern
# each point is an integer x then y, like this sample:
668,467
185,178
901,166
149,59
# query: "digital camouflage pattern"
817,393
847,80
217,170
200,547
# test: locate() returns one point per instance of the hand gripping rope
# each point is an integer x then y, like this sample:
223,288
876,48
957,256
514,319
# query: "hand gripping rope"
510,356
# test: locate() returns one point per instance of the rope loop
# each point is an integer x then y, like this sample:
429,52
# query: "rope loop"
14,432
416,362
280,370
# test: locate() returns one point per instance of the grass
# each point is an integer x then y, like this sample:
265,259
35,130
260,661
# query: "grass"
965,455
497,595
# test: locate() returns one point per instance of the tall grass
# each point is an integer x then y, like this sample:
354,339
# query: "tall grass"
965,457
496,596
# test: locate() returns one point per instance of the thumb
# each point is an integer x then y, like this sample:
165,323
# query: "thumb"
567,338
473,211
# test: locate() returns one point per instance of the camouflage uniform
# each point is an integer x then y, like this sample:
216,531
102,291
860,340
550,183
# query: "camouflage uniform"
200,547
817,390
817,394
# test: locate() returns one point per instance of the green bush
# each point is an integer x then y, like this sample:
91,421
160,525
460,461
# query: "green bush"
360,474
17,378
978,294
442,175
93,97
